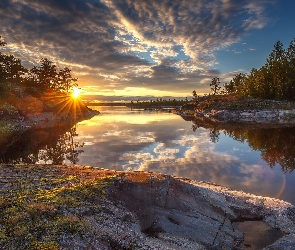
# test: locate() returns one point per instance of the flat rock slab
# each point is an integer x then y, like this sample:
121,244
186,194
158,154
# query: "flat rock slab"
145,210
200,212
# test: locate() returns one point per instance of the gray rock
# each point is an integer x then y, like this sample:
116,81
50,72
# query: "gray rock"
199,212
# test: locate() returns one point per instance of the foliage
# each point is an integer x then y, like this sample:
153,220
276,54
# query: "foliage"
195,96
215,86
37,80
11,71
159,103
274,80
46,77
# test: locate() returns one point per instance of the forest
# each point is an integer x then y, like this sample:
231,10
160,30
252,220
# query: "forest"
275,80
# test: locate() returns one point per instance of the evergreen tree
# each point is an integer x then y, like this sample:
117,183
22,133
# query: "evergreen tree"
291,70
274,80
195,96
276,66
215,86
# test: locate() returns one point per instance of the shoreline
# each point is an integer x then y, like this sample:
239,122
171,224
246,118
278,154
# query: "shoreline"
247,110
266,116
140,210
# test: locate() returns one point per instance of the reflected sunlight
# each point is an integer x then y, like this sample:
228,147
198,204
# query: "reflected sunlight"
139,119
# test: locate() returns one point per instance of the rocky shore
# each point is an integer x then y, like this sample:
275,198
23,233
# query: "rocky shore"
61,113
244,110
81,207
278,116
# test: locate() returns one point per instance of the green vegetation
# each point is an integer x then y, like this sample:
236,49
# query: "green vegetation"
270,87
275,80
42,205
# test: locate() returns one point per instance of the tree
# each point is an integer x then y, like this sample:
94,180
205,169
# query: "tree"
46,77
65,82
291,70
195,96
11,71
274,80
43,77
276,65
215,85
230,87
240,83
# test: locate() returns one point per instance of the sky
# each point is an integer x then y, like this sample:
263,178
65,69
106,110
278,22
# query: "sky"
127,49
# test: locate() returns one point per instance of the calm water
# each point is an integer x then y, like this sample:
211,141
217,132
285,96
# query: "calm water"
259,161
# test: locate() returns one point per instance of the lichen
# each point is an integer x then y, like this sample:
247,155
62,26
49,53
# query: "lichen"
37,214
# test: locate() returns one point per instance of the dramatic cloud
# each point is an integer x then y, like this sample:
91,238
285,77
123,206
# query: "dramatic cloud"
115,44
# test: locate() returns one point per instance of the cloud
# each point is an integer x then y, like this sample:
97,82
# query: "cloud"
119,43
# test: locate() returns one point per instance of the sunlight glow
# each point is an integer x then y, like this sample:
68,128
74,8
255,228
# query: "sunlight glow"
76,92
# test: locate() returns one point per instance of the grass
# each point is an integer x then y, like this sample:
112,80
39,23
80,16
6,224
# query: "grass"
37,209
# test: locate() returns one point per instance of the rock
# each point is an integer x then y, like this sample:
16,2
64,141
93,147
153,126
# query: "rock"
145,210
199,212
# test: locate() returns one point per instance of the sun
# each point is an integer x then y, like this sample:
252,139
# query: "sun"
76,93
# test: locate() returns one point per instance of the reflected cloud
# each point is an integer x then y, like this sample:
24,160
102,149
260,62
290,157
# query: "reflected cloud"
171,147
217,168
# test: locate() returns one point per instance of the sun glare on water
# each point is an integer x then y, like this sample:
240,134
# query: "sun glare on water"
76,92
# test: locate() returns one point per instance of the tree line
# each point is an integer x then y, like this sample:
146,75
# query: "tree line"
35,81
275,80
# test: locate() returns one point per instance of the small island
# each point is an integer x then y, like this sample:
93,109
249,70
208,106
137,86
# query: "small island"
264,96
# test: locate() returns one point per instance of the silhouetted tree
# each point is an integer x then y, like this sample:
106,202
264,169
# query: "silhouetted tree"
43,77
215,85
11,71
46,77
195,96
65,82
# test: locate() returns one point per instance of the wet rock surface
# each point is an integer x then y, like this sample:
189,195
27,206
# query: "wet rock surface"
255,231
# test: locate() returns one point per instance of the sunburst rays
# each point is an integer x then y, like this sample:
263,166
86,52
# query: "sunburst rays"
66,106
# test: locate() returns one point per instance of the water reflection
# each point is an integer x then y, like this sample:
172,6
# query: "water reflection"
276,145
51,145
64,148
165,143
254,160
